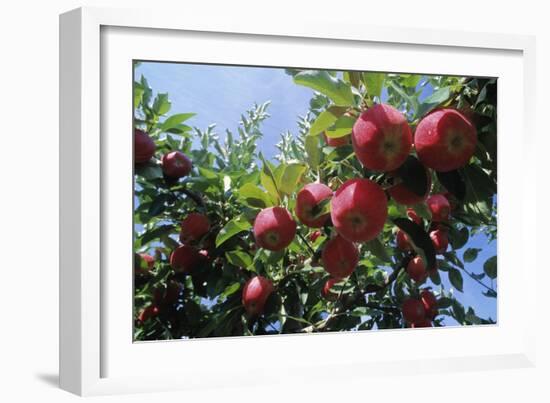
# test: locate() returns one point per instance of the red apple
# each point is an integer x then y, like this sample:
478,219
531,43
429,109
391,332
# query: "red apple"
413,310
327,291
185,259
274,228
176,164
359,209
337,141
381,138
422,323
402,241
340,257
413,216
143,263
402,195
445,140
307,200
430,303
144,147
147,313
314,235
416,269
439,207
255,294
440,240
194,227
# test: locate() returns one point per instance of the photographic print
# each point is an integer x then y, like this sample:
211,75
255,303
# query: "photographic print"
271,200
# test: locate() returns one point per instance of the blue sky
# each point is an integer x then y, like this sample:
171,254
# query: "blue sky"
220,94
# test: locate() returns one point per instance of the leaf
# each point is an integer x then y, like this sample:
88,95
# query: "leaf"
374,83
150,171
470,254
490,293
138,93
438,96
453,182
155,233
490,267
238,258
334,88
159,204
161,104
420,239
230,290
174,120
342,127
253,196
313,150
268,181
288,176
320,209
377,249
444,302
413,176
411,101
458,238
322,122
232,228
423,211
455,277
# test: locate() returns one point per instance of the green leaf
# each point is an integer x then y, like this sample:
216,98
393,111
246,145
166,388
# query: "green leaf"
334,88
268,181
138,93
155,233
322,208
313,151
453,182
374,83
420,239
159,204
322,122
253,196
490,267
342,127
174,120
414,176
161,104
232,228
439,96
288,176
230,290
455,277
471,254
458,238
238,258
150,171
444,303
377,249
423,211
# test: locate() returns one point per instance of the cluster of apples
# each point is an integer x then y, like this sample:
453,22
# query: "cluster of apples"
420,312
382,140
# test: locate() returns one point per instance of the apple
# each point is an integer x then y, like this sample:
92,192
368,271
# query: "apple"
194,227
314,235
402,241
336,141
340,257
274,228
413,216
402,195
144,147
413,310
359,209
381,138
430,303
416,269
440,240
185,259
255,293
439,207
147,313
327,292
176,164
422,323
445,140
307,200
143,263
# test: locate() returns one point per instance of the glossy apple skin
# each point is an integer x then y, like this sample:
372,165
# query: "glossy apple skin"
359,209
185,259
143,257
416,269
255,293
340,257
402,195
176,164
439,207
194,227
430,303
381,138
413,310
337,141
307,199
440,240
144,147
274,228
445,140
402,241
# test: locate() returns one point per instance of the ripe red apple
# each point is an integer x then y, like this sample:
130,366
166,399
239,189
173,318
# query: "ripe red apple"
413,216
274,228
144,147
194,227
422,323
416,269
336,141
308,199
185,259
143,263
402,241
327,292
439,207
381,138
340,257
402,195
359,209
430,303
413,310
255,294
314,235
445,140
440,240
176,164
147,313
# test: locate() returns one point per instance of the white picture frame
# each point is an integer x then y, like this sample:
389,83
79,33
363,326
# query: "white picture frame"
96,356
